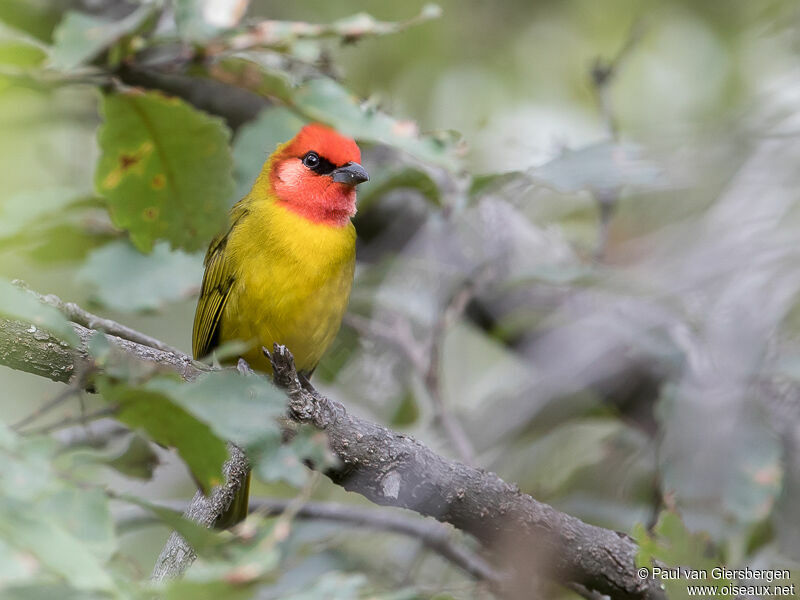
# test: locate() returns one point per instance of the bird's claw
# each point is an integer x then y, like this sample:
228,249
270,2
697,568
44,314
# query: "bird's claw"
284,372
244,368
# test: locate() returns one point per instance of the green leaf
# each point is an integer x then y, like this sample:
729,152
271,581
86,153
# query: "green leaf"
169,424
208,590
287,462
165,169
407,411
195,417
603,167
229,352
54,242
190,21
742,471
99,348
256,140
405,178
333,586
116,364
15,566
282,34
19,48
245,410
27,473
137,460
81,37
35,17
51,544
673,545
122,278
561,453
202,20
49,224
752,491
85,514
48,591
328,101
30,207
502,373
248,70
490,182
252,557
237,408
205,542
19,305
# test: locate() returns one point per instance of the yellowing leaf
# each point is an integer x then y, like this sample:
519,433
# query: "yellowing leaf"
165,169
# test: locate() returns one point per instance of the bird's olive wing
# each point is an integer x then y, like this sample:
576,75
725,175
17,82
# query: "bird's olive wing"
217,283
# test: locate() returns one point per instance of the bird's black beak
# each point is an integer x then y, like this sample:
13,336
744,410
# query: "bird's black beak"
351,174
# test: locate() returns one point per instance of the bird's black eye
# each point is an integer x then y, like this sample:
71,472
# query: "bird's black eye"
311,160
318,164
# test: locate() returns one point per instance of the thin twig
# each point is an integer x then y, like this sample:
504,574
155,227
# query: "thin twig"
602,75
452,312
586,593
95,434
398,334
77,420
606,204
76,314
74,388
434,535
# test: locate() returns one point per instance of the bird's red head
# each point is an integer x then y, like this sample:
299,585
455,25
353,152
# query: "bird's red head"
316,174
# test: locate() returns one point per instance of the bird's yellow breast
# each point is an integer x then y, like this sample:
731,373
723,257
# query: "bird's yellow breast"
292,283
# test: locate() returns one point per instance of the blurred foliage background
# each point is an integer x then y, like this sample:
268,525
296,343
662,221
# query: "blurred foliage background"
577,257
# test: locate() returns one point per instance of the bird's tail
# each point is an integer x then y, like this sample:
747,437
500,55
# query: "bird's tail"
237,511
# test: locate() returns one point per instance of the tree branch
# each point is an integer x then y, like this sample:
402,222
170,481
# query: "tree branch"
435,536
177,555
76,314
390,469
236,105
442,415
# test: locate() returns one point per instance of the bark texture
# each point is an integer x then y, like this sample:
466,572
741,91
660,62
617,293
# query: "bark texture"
386,467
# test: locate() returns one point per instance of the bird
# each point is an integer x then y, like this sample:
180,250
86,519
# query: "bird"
283,271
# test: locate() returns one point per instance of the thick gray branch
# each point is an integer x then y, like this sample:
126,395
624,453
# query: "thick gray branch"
177,554
395,470
237,106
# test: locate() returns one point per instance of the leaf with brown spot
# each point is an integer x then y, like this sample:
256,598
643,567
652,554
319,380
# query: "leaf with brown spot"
165,169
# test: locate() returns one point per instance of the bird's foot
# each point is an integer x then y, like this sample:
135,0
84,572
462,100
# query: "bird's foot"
284,373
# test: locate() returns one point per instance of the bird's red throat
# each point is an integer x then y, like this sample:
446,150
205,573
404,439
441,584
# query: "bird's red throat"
317,198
